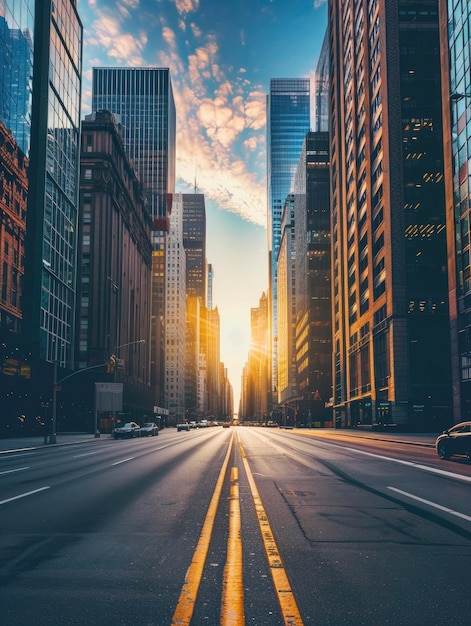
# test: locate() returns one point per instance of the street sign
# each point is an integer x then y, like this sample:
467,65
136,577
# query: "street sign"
108,396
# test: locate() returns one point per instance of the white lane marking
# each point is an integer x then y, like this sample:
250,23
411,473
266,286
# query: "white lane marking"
22,450
425,468
123,461
432,504
18,469
23,495
77,456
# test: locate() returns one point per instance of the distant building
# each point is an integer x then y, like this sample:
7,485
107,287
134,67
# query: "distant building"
194,240
391,328
321,88
288,121
286,381
114,264
175,315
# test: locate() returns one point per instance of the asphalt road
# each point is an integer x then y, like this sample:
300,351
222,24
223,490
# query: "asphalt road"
235,526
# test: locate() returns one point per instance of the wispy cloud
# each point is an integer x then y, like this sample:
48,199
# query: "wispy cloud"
220,114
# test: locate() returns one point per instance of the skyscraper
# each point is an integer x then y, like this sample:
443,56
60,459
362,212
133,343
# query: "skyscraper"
51,229
194,240
455,25
313,284
389,251
40,93
288,120
142,97
175,315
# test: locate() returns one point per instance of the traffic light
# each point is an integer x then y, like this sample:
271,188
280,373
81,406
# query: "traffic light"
111,367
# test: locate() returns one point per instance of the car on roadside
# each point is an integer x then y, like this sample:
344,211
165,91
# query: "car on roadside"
193,424
129,430
184,426
149,429
455,440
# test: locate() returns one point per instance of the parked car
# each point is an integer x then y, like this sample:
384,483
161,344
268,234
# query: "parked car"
183,427
455,440
127,431
150,429
193,424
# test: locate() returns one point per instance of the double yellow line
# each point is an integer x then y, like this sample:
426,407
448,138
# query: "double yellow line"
232,604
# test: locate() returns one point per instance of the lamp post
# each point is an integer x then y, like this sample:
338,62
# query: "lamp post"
116,355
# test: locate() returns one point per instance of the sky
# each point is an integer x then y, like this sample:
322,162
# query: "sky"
221,55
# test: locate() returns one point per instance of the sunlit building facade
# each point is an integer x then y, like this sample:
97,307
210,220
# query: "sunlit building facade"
389,251
288,121
175,315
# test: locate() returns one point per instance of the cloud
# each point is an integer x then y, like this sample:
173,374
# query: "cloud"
319,3
186,6
118,45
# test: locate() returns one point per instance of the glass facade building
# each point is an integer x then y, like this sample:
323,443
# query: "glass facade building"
288,122
54,171
456,90
16,69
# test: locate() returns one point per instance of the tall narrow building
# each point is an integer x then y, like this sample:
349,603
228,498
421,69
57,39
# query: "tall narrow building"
142,97
389,264
288,121
175,315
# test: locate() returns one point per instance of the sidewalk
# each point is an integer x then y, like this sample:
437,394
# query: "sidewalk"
26,443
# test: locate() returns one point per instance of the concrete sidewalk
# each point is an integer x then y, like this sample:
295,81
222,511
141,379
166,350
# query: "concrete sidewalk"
33,442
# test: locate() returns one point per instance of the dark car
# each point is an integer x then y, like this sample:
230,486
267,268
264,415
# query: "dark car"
184,426
455,440
127,431
150,429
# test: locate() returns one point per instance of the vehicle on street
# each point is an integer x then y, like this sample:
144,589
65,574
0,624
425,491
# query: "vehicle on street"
183,427
193,424
226,425
149,429
127,431
455,440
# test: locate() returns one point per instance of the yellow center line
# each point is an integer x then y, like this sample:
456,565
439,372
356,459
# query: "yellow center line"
288,606
232,605
186,602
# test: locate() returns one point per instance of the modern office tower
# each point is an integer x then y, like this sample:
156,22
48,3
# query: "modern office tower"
455,24
286,382
321,89
288,119
313,284
142,97
175,315
194,240
51,226
389,265
114,265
